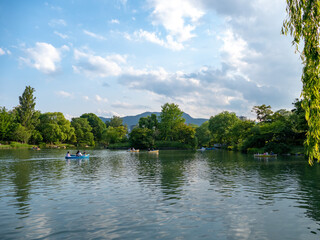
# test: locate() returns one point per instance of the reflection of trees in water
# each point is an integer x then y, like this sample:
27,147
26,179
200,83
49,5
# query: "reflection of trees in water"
20,172
268,179
172,172
148,168
23,173
231,170
309,192
17,171
166,170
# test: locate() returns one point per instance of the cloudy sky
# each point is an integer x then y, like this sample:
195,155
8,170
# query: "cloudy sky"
124,57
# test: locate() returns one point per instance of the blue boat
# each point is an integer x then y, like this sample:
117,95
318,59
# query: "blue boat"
210,148
78,157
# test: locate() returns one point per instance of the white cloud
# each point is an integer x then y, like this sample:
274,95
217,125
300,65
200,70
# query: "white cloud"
64,94
63,36
153,38
107,113
57,23
178,17
96,36
235,52
86,98
216,89
96,66
126,105
100,99
115,21
44,57
2,52
69,116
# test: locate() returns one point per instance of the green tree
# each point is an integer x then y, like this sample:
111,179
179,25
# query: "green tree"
276,135
6,124
115,121
303,23
185,134
239,132
263,112
83,131
36,136
55,128
27,116
220,126
141,138
170,118
26,109
98,126
203,135
114,134
299,122
151,122
21,134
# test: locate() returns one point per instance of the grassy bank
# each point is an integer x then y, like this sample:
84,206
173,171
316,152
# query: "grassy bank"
15,145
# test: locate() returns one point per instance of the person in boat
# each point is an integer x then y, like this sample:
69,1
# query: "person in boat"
84,153
78,153
68,154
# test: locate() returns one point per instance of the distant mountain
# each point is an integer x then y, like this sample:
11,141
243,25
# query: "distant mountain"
133,120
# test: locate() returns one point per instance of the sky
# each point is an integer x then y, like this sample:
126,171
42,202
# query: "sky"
125,57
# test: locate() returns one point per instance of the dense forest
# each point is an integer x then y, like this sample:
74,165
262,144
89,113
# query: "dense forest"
277,131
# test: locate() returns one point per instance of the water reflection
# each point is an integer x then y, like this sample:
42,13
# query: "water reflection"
214,194
21,181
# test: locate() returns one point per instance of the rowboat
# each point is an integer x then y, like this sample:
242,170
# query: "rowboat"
35,148
137,150
210,148
201,149
265,155
153,151
78,157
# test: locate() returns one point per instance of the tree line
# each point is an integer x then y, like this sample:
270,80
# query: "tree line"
275,131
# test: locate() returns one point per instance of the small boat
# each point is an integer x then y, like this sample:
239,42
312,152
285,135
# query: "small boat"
210,148
202,149
35,148
78,157
153,151
136,150
264,155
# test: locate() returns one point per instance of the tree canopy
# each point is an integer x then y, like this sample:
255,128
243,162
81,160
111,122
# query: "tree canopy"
83,131
115,121
170,118
98,126
220,126
26,109
263,112
55,128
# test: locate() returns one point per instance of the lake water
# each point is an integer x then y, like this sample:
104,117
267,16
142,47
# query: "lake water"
173,195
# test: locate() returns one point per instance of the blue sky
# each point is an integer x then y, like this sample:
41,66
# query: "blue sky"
122,57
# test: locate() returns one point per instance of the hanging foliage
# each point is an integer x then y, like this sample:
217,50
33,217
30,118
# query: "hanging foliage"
302,24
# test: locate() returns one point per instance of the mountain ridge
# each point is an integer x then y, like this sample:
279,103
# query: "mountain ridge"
133,120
